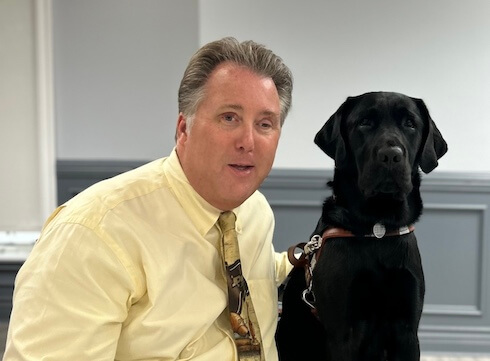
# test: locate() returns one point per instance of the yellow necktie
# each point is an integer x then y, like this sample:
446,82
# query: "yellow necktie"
242,314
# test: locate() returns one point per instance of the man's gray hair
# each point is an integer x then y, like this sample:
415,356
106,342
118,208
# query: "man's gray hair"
250,54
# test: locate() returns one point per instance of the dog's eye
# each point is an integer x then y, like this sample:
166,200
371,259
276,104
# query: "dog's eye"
366,122
409,123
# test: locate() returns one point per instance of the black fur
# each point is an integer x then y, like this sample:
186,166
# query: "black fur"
369,292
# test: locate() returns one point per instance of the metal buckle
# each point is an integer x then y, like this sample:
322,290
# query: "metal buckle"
313,245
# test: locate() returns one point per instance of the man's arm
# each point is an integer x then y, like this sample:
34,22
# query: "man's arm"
283,267
70,299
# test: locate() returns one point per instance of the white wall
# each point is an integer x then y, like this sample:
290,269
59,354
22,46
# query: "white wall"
118,65
437,50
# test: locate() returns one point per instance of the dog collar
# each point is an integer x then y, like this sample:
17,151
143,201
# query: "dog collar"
314,246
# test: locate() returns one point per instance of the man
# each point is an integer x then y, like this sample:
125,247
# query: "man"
132,268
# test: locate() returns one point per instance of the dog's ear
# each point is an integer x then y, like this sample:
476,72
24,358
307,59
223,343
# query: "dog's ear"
330,139
434,146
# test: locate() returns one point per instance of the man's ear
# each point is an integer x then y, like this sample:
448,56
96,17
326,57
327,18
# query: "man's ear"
329,138
434,146
182,128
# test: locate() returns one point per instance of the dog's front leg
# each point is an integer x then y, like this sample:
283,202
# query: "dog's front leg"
406,344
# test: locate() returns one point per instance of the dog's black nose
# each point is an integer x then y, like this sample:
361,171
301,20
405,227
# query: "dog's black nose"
390,155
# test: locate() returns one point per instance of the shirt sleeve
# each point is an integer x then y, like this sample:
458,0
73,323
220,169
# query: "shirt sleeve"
71,297
283,267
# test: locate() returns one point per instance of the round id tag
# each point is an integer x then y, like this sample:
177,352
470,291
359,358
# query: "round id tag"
379,230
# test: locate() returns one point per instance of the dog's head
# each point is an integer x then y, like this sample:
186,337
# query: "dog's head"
385,137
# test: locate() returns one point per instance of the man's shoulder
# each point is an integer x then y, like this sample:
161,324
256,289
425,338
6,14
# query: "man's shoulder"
116,192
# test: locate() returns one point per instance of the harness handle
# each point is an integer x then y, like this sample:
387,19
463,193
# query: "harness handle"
295,261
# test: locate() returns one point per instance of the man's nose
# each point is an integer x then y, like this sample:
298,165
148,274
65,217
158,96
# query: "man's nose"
246,137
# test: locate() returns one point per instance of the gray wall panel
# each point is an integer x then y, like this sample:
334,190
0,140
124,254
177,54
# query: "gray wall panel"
453,236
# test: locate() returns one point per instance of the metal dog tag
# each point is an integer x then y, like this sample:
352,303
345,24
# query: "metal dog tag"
379,230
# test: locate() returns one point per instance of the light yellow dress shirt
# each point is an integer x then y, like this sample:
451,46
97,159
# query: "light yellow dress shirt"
131,269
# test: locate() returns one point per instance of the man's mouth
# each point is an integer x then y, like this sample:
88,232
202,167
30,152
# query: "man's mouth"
241,166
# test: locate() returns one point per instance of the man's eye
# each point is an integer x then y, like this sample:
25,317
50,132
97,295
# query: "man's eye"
229,118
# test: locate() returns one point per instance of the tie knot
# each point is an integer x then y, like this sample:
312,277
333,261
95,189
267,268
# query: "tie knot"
226,221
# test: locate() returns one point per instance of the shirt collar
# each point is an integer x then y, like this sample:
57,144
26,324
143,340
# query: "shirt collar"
202,214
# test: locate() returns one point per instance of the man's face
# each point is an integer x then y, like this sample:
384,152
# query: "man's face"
231,145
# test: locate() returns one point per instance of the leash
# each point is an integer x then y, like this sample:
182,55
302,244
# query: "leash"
310,252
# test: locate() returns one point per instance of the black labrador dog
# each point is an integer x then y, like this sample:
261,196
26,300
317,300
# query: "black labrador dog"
359,292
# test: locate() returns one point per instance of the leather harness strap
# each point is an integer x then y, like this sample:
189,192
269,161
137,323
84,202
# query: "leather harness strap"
310,252
335,232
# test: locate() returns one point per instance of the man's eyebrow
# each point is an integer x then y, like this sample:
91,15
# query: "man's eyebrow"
239,107
232,106
270,112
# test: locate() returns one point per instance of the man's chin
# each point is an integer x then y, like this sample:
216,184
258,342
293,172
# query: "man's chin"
234,199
